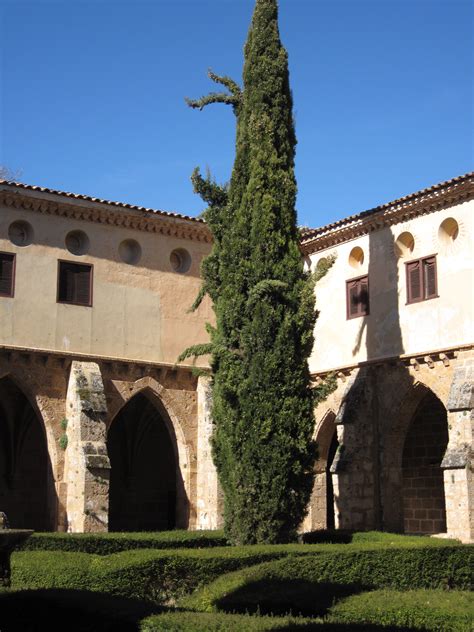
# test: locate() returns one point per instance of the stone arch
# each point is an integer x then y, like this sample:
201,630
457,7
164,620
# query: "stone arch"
395,508
29,497
423,495
321,512
157,395
41,409
398,431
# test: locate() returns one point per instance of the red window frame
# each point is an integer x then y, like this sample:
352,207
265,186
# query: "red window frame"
11,293
91,282
416,275
363,307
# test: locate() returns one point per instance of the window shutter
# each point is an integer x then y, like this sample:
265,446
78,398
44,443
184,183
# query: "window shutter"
74,284
353,295
364,296
357,297
414,282
82,285
6,274
429,271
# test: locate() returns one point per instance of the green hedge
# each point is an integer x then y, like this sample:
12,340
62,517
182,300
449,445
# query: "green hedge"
379,611
309,584
449,611
154,575
107,543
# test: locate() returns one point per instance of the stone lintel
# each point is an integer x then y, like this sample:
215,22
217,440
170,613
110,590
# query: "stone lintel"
456,459
461,395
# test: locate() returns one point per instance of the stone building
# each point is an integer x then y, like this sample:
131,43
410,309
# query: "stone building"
396,326
101,429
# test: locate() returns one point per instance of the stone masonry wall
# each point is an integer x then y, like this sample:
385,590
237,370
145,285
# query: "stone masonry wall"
424,505
374,409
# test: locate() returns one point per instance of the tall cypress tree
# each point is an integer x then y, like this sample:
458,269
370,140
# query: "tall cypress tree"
263,301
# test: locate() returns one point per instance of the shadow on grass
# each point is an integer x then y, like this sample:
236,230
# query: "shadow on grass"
280,597
70,611
327,536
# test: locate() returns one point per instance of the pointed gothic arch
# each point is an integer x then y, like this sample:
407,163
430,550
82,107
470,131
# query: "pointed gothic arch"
148,456
321,513
426,441
27,493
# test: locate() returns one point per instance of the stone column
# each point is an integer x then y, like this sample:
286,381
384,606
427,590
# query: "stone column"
87,466
354,468
209,494
315,519
458,460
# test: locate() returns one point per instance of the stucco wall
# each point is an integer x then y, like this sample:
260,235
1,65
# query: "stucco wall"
394,328
139,312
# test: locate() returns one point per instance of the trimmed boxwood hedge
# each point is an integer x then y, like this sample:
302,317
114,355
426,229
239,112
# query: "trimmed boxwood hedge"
263,588
154,575
162,576
107,543
449,611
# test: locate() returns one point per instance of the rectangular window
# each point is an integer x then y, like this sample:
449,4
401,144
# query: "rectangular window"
357,297
7,274
422,280
75,283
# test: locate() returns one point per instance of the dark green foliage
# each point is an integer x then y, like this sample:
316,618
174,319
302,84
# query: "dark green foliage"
264,305
85,611
106,543
162,575
341,568
79,591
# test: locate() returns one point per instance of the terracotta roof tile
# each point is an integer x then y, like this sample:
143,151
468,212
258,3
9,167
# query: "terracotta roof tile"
88,198
312,233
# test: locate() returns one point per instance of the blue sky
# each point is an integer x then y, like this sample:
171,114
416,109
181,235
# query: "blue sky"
92,96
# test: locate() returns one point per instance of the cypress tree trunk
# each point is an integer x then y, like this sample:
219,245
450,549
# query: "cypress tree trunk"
264,305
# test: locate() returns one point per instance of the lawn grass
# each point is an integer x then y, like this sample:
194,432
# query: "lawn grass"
447,611
205,622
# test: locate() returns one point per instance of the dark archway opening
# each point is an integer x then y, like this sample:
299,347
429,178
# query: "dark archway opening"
424,506
330,516
25,469
142,493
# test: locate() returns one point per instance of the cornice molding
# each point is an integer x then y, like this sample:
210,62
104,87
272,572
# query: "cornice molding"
430,358
441,196
105,214
48,357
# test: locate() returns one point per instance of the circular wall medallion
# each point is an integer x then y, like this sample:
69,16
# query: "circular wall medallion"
21,233
180,260
77,242
130,251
